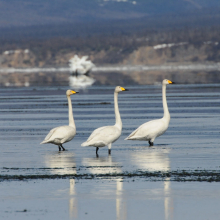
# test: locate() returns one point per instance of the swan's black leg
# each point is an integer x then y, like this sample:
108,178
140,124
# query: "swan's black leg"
109,148
151,143
97,151
62,147
59,148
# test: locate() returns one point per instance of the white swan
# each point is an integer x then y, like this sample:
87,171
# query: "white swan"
109,134
152,129
63,134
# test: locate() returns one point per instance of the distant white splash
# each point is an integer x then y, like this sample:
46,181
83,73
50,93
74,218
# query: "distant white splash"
80,65
80,81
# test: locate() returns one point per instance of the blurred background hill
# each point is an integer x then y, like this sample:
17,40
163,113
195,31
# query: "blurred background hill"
46,12
47,33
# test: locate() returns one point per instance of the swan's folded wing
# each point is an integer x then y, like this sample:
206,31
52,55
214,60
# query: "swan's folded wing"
103,136
62,133
132,134
48,135
114,134
95,132
68,134
138,133
145,129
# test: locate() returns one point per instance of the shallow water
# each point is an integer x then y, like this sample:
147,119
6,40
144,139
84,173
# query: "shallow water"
136,180
109,199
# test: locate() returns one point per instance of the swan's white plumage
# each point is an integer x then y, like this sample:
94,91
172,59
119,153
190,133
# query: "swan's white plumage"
60,135
108,134
149,130
63,134
103,136
153,129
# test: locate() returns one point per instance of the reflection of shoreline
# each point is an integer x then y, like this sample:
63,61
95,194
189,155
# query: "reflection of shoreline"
109,78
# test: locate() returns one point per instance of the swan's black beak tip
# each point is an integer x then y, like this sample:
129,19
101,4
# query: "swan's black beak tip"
126,90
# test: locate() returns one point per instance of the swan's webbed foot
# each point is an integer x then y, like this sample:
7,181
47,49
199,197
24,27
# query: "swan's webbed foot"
59,148
151,143
109,151
97,152
62,147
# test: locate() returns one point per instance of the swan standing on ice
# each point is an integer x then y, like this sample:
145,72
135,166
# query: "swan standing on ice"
109,134
63,134
152,129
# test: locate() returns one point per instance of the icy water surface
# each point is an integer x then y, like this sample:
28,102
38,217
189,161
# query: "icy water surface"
177,178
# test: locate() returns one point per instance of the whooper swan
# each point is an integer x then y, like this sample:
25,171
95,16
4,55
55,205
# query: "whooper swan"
152,129
63,134
109,134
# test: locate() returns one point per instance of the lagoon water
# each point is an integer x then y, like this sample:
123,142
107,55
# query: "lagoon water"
177,178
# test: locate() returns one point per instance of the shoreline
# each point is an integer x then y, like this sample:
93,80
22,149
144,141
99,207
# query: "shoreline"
121,68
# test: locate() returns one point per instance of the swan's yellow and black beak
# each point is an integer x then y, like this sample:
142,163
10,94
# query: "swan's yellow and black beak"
123,89
74,92
170,82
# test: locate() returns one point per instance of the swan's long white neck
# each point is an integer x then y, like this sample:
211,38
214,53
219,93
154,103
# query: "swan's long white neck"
118,122
165,107
71,119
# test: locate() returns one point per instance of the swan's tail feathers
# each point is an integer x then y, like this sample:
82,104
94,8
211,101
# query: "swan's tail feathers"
44,142
136,138
84,144
129,138
133,137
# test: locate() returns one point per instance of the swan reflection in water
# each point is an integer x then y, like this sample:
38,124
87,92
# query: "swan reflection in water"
121,208
73,207
153,160
80,81
63,163
103,165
